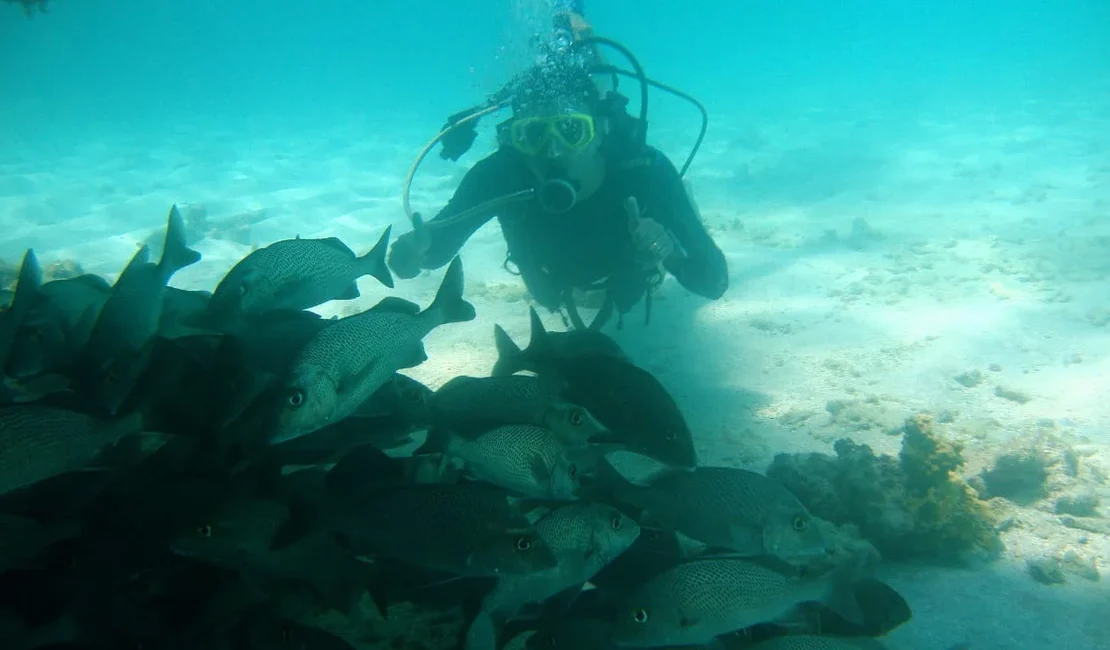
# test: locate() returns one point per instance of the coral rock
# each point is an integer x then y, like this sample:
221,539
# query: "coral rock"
915,506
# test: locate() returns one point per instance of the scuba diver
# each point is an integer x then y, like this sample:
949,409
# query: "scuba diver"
583,202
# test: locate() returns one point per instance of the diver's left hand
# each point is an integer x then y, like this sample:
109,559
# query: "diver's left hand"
649,236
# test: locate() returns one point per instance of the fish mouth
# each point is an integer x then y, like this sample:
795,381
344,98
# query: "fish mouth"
804,554
282,434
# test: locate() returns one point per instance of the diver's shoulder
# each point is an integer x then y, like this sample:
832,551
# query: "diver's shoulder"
644,158
500,163
499,157
641,157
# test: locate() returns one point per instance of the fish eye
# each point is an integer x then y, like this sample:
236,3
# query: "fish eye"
37,336
243,289
573,472
204,531
640,616
523,544
576,417
110,378
616,522
296,398
799,523
670,436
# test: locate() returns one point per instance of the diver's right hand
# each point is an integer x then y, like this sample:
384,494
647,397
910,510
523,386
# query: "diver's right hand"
407,253
457,139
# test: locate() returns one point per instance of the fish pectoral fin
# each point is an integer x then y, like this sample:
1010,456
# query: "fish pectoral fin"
540,470
532,509
840,596
746,539
413,356
345,384
291,289
349,293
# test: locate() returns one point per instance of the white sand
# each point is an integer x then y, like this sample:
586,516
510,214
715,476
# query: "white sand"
991,246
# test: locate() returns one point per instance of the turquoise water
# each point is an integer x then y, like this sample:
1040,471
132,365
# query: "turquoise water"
905,191
224,60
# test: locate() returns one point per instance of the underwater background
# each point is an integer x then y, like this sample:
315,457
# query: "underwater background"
913,198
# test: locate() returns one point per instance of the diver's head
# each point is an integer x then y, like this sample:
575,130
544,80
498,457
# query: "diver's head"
559,127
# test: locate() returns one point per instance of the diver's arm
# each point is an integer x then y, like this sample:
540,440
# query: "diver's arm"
698,263
444,234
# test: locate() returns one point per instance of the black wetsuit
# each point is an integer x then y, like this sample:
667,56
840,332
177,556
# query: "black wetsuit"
592,241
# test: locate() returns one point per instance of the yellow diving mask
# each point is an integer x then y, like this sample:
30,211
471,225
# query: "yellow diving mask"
573,131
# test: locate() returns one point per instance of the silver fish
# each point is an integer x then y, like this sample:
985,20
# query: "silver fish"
117,348
297,274
38,442
514,399
347,361
698,600
521,458
470,529
584,537
728,508
60,325
547,350
26,294
238,537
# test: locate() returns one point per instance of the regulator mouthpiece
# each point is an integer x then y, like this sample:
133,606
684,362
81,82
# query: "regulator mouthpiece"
557,195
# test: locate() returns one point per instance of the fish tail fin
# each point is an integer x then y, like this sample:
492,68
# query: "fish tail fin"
449,302
373,263
176,253
508,353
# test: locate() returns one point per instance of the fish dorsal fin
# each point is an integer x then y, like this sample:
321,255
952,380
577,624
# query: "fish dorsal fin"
141,256
396,305
508,353
91,280
337,244
538,339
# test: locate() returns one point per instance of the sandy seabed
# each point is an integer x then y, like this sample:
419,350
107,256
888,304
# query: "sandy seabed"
873,261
